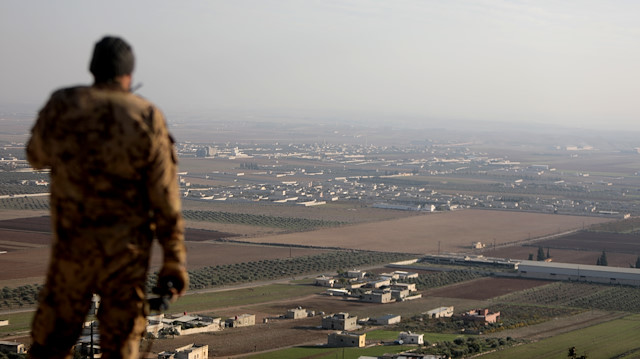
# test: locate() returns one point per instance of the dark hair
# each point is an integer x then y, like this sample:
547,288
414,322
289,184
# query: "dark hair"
112,57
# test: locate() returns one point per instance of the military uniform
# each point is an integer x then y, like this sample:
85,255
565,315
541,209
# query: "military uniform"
113,187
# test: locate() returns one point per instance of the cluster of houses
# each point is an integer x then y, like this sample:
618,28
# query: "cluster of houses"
191,351
382,288
260,176
161,324
265,179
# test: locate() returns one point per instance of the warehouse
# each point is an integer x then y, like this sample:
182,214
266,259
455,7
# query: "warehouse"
579,272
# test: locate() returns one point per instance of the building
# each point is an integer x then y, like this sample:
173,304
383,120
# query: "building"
387,319
481,315
406,275
441,312
12,347
191,351
357,274
336,291
339,321
344,339
410,338
579,272
383,282
399,294
242,320
296,313
377,296
183,324
324,281
404,286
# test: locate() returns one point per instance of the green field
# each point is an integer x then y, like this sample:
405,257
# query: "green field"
18,322
245,296
615,339
288,223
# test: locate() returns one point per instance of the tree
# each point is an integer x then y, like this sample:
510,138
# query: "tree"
573,354
602,260
540,256
548,255
531,256
638,262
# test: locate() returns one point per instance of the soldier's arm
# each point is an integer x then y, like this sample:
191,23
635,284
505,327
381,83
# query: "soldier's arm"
165,202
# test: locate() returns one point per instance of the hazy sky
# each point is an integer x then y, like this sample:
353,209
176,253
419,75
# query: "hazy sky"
575,63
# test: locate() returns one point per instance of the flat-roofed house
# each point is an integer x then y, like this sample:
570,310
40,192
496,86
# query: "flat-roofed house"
339,321
411,338
440,312
296,313
345,339
191,351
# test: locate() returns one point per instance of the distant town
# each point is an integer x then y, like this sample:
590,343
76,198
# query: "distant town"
417,177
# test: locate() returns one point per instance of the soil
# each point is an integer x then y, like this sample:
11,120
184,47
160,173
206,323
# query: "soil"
433,233
485,288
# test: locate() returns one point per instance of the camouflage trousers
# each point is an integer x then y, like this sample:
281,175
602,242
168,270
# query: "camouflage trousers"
66,299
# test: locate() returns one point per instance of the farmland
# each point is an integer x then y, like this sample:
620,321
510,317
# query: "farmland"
453,231
614,339
244,251
587,296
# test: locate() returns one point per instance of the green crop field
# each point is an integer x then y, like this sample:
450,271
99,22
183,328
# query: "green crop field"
615,339
289,223
221,299
580,295
18,322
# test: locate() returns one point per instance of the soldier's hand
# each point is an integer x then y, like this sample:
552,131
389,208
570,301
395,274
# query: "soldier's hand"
173,279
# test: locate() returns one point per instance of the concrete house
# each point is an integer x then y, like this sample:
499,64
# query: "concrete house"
357,274
377,296
12,347
440,312
188,324
242,320
411,338
384,282
344,339
324,281
404,286
191,351
387,319
481,315
399,294
296,313
339,321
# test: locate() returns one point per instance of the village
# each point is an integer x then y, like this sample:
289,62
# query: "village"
342,328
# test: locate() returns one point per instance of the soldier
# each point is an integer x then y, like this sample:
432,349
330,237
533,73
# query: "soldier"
113,188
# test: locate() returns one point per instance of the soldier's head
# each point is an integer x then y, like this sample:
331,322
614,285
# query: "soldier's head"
112,61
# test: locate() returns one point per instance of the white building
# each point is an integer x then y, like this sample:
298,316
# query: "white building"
579,272
191,351
441,312
411,338
388,319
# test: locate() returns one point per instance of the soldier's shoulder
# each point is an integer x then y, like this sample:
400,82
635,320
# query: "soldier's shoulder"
69,92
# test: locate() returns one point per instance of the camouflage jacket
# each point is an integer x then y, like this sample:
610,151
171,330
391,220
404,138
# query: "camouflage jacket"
113,172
